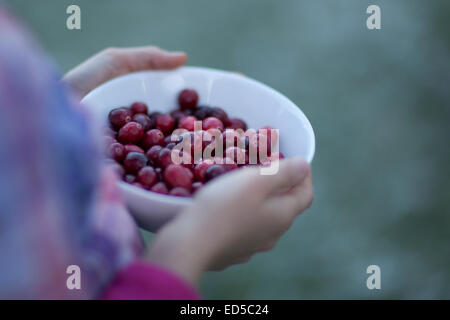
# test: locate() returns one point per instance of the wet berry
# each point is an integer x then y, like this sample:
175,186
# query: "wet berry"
151,138
143,120
187,123
165,123
160,187
116,151
119,117
235,123
130,133
178,176
147,176
214,171
133,148
134,161
212,123
139,107
188,99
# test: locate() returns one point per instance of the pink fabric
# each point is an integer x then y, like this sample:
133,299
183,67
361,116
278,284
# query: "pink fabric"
145,281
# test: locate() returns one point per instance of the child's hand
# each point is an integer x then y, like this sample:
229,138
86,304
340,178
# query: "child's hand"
114,62
232,218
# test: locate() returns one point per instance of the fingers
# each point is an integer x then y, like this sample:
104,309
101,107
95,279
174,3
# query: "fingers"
148,58
291,173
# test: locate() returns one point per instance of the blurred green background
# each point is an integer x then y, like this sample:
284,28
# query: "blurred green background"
378,102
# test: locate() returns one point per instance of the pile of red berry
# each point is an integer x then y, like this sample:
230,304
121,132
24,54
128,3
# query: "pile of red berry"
143,144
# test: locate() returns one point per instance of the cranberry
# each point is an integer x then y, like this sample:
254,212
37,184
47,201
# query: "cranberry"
158,171
151,138
236,154
116,151
177,115
178,176
164,157
165,123
130,178
153,116
230,138
147,177
202,113
214,171
119,117
134,161
235,123
138,185
196,186
212,123
229,164
153,153
219,114
171,145
188,99
180,192
139,107
160,187
130,133
200,169
143,120
187,123
133,148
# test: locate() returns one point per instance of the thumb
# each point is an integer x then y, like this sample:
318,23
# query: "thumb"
150,58
291,173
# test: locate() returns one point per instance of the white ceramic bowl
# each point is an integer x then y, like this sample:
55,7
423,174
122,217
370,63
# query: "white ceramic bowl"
239,96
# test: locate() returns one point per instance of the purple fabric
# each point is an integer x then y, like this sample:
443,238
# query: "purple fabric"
143,281
59,206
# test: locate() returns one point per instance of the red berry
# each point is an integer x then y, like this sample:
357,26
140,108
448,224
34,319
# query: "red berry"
212,123
147,176
196,186
133,148
200,169
231,138
214,171
119,117
236,154
235,123
130,178
188,99
143,120
177,115
229,164
153,153
160,187
178,176
134,161
187,123
219,114
139,107
202,113
164,157
130,133
151,138
180,192
116,151
165,123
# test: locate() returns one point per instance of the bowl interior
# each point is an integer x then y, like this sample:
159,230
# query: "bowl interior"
239,96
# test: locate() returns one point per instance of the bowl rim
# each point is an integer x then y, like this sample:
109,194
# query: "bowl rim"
168,199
